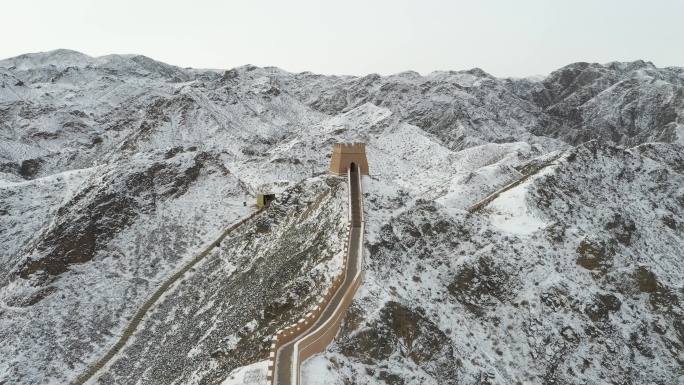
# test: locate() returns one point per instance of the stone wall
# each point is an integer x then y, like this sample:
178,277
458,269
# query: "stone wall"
291,332
319,339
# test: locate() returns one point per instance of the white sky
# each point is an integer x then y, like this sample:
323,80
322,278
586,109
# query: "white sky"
352,37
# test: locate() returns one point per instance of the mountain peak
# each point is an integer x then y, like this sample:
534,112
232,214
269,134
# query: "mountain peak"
60,58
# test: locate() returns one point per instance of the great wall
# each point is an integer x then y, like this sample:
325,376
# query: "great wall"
313,333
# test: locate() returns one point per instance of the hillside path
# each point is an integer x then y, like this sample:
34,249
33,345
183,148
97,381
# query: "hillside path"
534,171
142,311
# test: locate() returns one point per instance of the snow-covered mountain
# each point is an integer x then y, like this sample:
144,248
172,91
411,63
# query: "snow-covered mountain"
519,230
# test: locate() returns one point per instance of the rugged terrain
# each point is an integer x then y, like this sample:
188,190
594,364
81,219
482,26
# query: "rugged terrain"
117,170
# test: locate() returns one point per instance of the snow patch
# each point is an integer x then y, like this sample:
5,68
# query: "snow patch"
511,214
254,374
679,130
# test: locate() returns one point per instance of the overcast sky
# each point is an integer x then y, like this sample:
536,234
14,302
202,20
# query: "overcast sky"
352,37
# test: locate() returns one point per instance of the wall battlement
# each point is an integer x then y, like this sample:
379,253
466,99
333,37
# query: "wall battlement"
350,148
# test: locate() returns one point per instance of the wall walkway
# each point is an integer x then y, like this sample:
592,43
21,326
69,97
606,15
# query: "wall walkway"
312,334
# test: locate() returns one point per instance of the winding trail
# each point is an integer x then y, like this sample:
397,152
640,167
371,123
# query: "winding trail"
532,172
289,357
142,311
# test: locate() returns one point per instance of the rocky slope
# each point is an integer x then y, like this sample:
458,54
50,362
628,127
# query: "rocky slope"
115,171
570,277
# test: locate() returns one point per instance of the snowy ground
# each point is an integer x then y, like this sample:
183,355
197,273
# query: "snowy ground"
254,374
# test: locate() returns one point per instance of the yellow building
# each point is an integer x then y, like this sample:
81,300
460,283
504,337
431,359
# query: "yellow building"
265,199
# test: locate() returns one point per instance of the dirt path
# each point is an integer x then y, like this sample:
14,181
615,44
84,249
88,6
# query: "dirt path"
533,171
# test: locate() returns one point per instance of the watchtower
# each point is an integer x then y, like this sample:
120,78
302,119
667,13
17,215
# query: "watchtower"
344,154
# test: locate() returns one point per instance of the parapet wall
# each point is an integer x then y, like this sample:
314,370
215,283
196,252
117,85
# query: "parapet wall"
350,148
318,340
291,332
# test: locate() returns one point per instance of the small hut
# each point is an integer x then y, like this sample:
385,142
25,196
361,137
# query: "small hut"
265,199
